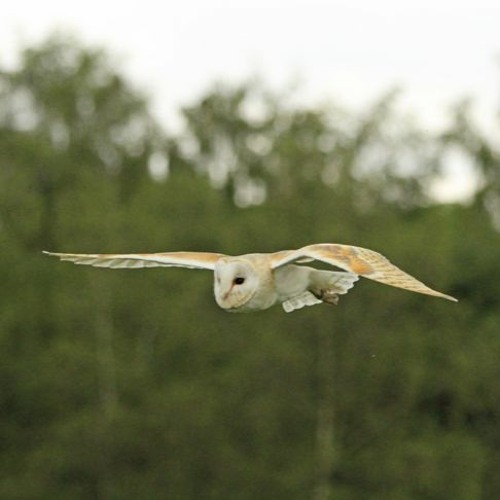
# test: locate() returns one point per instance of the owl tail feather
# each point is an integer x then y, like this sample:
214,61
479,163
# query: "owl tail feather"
299,301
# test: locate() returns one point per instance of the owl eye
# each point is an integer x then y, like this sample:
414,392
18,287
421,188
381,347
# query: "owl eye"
239,281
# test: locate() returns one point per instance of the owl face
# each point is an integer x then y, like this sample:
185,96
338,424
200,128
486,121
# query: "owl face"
235,284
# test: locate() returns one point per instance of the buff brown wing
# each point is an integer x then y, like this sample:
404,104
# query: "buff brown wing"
361,261
191,260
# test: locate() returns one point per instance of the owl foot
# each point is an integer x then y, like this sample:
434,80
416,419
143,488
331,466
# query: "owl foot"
327,296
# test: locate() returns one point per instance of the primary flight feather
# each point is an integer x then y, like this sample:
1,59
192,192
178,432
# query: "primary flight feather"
257,281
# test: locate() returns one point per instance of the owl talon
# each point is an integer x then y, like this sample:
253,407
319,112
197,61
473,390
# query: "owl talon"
332,299
327,296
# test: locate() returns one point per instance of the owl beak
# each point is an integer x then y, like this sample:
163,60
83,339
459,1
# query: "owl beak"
226,295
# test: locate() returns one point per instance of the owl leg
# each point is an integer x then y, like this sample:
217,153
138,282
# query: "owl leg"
327,296
327,286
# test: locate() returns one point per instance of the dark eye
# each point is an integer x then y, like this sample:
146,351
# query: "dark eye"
239,281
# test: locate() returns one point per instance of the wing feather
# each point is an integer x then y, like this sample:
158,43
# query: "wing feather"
191,260
361,261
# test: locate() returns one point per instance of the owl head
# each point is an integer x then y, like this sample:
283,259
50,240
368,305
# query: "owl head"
235,283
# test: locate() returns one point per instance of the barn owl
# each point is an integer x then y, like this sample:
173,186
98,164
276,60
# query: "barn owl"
257,281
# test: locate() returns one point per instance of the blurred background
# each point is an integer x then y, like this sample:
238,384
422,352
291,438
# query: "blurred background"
238,127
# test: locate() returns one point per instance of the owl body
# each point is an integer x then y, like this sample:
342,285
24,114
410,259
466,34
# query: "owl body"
248,283
257,281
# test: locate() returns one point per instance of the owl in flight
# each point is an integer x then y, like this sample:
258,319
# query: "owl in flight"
257,281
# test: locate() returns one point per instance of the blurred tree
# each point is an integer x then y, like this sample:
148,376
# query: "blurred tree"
75,141
256,147
478,148
64,112
134,385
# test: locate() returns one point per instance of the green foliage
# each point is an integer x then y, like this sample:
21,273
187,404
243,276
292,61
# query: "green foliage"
135,385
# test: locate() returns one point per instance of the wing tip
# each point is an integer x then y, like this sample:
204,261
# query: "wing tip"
435,293
60,255
52,254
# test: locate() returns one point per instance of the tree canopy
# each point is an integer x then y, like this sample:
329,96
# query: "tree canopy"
133,384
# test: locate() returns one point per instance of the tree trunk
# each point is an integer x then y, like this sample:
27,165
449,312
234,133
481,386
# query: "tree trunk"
326,453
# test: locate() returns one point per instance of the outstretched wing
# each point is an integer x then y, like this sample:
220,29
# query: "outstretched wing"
191,260
361,261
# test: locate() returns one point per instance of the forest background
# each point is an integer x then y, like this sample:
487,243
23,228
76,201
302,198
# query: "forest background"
134,384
